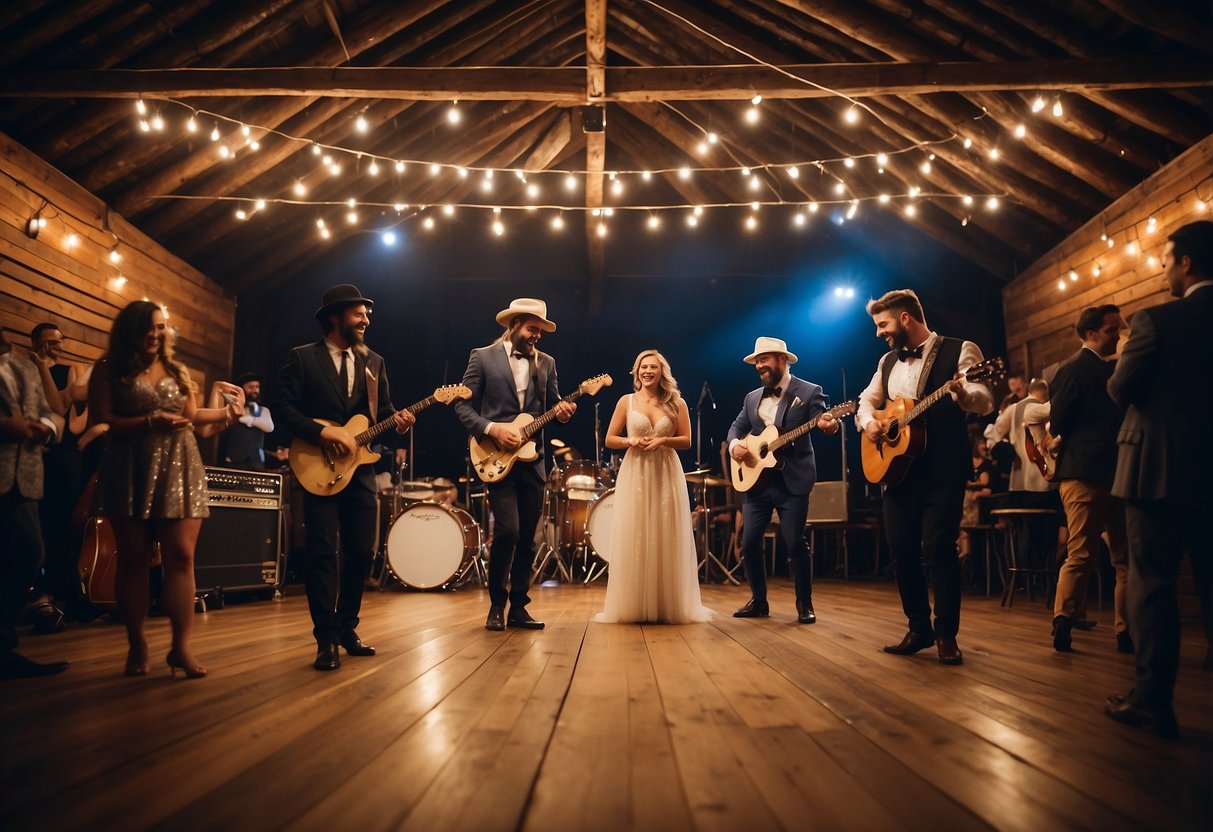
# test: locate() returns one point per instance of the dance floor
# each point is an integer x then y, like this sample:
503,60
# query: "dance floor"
733,725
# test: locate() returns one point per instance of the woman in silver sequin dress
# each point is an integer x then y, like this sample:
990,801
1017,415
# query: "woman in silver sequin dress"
152,479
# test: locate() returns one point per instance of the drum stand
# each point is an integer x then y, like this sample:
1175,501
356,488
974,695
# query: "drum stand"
546,551
706,556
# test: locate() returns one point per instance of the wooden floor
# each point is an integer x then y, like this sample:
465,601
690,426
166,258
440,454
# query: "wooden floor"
733,725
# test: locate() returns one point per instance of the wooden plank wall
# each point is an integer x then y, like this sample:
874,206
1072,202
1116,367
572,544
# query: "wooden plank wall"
77,287
1040,314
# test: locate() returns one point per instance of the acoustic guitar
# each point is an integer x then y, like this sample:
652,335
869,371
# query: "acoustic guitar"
324,475
887,459
764,446
493,462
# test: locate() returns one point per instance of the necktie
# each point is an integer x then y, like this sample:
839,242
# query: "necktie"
904,354
774,392
345,373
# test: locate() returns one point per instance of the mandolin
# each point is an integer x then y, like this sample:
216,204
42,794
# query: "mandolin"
887,459
324,475
764,446
493,462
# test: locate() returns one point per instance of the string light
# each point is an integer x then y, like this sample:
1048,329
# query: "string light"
157,122
115,255
71,241
360,124
435,169
794,172
851,116
967,200
448,210
241,214
751,222
299,188
558,222
1131,248
428,223
798,219
653,222
373,168
1096,269
854,209
755,183
602,229
840,188
398,207
215,133
498,227
884,199
1152,261
316,151
1057,111
1038,104
224,152
144,127
351,217
713,138
1061,285
259,205
646,175
751,115
849,162
994,154
245,130
882,159
925,167
140,107
532,190
745,171
702,148
254,145
120,281
400,167
692,220
756,100
812,207
911,210
967,143
453,115
1073,274
1020,131
335,168
1151,225
684,173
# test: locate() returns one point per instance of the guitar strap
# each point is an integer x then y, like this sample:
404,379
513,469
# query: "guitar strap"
372,392
928,362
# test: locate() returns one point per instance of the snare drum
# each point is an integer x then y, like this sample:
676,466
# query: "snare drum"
599,523
429,543
571,491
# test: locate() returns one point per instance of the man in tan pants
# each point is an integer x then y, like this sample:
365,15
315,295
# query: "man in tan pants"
1086,421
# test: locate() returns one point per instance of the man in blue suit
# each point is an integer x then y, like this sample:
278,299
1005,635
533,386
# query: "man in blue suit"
507,378
787,402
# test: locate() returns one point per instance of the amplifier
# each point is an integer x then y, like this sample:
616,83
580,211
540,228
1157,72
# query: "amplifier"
828,502
243,489
240,544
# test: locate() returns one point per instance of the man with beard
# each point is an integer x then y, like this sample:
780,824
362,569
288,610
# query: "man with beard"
922,513
334,379
244,442
786,402
507,378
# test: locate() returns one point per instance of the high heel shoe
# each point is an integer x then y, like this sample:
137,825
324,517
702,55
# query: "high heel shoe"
136,663
175,664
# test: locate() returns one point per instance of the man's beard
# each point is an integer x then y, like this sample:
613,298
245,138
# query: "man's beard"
356,341
252,398
772,378
900,336
521,344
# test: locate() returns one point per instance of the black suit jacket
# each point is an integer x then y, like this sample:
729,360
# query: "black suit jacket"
1086,418
1162,379
801,402
309,388
495,399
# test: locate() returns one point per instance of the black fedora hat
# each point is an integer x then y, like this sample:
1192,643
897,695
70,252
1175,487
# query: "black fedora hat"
245,378
339,297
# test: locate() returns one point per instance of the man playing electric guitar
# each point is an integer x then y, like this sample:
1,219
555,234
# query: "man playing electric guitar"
787,402
507,378
334,379
922,512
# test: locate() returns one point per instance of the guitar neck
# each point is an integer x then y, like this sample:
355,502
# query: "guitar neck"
918,409
541,422
839,412
370,434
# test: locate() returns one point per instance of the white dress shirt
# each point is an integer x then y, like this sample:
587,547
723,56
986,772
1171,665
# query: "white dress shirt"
904,378
521,368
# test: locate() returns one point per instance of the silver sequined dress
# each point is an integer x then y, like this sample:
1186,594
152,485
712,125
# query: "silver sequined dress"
153,475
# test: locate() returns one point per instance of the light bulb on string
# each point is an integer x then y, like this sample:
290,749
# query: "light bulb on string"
241,214
755,206
398,207
745,171
653,222
697,210
1057,110
245,130
884,199
813,207
1038,103
684,173
1131,248
617,188
498,227
224,152
463,172
994,154
851,116
751,222
453,116
435,169
448,210
335,169
602,229
373,168
327,160
798,219
144,127
1151,224
400,167
351,217
1073,274
428,223
140,107
911,210
1111,242
532,191
558,222
316,151
967,143
849,162
1201,206
915,191
259,205
361,124
967,200
840,188
486,184
254,145
319,223
755,183
646,175
882,159
1096,269
389,238
702,148
925,167
1061,285
120,281
854,209
570,182
751,115
794,172
1021,130
992,204
115,255
713,138
692,220
71,241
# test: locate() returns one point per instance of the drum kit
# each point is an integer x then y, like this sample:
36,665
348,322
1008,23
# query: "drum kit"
427,542
575,527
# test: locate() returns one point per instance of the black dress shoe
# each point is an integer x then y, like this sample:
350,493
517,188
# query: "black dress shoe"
910,644
327,657
496,619
1124,710
16,666
753,609
523,620
949,653
1124,642
354,645
1062,639
804,613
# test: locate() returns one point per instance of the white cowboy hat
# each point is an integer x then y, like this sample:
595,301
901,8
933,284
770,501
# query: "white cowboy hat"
526,306
765,343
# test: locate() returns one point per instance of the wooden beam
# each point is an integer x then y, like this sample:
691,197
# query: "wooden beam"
595,146
1166,20
566,85
553,144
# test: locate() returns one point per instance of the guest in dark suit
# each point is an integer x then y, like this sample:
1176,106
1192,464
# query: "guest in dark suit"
25,427
922,512
243,444
334,379
1163,469
508,378
1084,423
787,402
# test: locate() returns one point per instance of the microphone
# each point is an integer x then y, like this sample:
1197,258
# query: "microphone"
707,391
703,394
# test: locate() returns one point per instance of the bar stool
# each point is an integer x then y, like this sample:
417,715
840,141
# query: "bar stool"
1022,524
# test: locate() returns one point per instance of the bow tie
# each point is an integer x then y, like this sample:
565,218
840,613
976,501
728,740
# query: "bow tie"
904,354
774,392
523,356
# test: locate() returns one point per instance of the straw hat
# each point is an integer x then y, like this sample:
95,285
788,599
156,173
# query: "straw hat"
526,306
765,343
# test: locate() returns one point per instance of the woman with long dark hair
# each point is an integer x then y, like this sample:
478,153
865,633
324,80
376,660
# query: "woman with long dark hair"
152,479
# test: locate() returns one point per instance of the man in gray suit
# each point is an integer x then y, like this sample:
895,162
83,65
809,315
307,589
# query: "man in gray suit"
508,378
25,426
1163,470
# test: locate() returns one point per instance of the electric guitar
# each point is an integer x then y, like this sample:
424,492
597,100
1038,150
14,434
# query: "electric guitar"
763,447
887,459
1038,453
324,475
492,462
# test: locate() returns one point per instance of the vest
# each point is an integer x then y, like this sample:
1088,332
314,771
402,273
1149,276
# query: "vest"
946,459
244,447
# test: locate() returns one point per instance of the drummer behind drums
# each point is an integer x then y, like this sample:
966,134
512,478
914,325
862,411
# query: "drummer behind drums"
507,378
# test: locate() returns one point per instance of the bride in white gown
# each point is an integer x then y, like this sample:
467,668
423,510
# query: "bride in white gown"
653,573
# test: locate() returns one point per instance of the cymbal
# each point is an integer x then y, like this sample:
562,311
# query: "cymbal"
407,486
706,478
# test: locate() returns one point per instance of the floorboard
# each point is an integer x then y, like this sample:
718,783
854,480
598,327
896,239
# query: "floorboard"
752,724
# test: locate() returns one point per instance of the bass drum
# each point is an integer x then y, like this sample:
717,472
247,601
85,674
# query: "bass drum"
429,543
599,523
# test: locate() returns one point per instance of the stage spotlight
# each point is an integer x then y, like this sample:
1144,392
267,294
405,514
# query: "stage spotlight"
389,238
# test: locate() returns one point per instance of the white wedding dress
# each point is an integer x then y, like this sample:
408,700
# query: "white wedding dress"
653,573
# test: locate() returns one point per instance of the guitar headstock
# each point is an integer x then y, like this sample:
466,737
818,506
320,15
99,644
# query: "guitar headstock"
992,369
838,411
451,392
591,386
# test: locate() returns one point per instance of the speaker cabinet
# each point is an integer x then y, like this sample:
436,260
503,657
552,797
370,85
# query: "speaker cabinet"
239,548
828,502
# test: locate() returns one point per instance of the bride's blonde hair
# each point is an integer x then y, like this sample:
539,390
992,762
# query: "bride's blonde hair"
668,393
